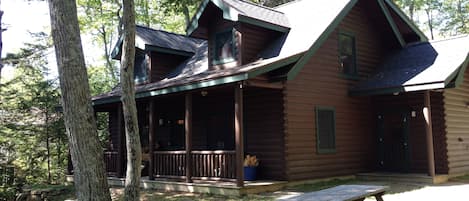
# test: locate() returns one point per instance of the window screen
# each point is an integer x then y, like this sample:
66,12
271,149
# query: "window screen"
224,50
325,126
347,54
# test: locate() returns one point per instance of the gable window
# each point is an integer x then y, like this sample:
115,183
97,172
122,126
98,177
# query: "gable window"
347,54
224,47
325,130
140,67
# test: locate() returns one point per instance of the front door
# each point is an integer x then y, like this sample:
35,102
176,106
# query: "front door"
393,142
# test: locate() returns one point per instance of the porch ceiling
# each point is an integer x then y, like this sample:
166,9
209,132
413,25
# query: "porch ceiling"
421,66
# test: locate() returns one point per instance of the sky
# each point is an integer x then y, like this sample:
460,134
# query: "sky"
24,16
21,17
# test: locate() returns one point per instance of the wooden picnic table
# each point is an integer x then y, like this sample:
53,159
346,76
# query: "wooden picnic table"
343,193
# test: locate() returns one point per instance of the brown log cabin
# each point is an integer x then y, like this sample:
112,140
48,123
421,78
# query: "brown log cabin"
314,89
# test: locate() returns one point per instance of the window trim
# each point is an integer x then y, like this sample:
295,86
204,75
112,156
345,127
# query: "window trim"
318,149
233,48
354,75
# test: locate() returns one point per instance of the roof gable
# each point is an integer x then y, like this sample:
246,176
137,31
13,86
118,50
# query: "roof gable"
161,41
422,66
238,10
327,15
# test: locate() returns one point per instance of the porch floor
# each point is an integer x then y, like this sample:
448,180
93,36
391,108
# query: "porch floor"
403,177
211,187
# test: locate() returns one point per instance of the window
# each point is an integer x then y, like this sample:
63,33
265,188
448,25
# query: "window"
141,65
347,54
224,48
325,130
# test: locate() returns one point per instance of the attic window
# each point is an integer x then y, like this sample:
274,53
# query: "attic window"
224,50
347,54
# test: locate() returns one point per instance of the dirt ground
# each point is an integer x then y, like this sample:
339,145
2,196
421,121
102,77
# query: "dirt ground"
455,190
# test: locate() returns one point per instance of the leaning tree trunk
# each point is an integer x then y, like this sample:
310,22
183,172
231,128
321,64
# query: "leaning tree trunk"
134,152
87,155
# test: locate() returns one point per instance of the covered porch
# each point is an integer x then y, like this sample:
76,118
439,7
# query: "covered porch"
203,135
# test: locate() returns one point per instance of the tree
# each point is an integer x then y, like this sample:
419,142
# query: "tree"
134,150
29,120
86,153
455,17
1,43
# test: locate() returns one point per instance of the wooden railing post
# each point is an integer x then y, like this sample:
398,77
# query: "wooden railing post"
188,128
238,116
151,140
427,112
120,142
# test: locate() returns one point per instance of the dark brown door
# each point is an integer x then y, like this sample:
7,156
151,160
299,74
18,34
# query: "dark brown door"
393,142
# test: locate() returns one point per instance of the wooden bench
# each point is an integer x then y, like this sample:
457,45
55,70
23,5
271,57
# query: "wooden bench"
343,193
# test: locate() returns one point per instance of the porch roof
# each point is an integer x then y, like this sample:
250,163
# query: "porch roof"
422,66
194,74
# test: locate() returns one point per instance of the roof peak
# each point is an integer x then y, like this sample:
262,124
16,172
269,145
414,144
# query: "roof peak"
255,4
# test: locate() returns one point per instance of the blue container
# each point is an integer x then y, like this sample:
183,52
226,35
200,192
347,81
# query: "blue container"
249,173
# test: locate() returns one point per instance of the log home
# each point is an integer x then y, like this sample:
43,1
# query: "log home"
314,89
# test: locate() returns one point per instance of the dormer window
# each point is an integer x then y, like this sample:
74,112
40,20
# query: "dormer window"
140,69
224,49
347,54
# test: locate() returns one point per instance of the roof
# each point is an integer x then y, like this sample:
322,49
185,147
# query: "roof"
295,47
161,40
304,33
421,66
194,73
240,10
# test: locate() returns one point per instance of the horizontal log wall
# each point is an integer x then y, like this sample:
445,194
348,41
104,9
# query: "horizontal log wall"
162,64
255,39
457,127
263,123
320,83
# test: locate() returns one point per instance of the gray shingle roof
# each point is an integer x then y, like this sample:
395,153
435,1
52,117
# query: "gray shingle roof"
163,39
262,13
426,65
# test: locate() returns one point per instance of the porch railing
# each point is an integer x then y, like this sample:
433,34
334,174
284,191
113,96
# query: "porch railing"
206,165
110,160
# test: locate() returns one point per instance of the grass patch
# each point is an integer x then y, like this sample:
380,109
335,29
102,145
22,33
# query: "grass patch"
464,178
320,185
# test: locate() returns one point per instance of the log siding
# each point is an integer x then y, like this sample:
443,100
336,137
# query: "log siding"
321,83
457,127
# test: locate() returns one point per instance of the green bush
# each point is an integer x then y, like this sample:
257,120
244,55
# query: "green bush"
7,193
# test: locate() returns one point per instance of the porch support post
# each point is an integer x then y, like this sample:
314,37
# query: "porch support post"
151,139
429,131
120,136
188,128
239,138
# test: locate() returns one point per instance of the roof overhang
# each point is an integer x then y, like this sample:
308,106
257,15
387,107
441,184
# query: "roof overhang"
263,68
453,80
231,14
141,44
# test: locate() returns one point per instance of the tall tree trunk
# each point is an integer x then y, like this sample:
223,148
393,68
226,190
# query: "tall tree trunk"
86,152
134,152
1,45
430,22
